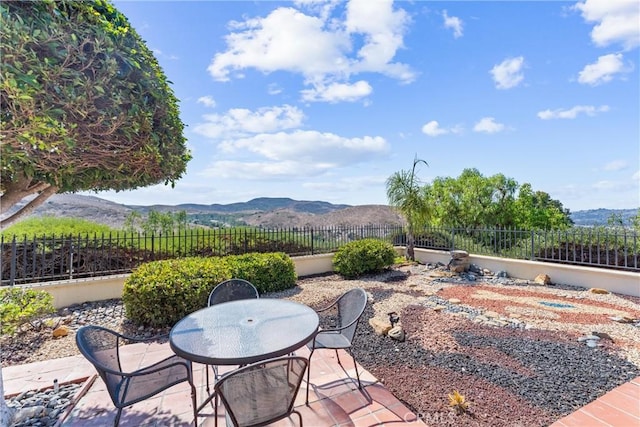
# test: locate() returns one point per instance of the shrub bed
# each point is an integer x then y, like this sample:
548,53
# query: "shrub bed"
363,256
160,293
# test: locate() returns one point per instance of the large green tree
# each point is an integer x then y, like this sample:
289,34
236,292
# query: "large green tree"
84,104
404,192
475,201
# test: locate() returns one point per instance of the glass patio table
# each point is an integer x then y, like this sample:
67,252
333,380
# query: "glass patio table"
243,332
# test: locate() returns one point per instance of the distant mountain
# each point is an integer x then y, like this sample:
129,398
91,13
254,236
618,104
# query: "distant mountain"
265,211
593,217
261,204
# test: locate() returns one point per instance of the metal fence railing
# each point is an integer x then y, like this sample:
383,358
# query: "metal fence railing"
47,258
617,248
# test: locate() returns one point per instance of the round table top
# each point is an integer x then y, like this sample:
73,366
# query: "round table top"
244,331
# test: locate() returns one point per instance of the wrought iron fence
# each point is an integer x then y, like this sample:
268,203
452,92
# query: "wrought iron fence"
617,248
47,258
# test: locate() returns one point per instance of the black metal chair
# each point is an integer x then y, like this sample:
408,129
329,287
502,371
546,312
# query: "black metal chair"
230,290
261,393
350,307
101,346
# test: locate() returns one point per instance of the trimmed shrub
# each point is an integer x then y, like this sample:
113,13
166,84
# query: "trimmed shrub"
363,256
270,272
160,293
19,306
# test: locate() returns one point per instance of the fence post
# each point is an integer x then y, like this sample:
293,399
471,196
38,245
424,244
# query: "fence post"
14,256
311,241
532,258
453,239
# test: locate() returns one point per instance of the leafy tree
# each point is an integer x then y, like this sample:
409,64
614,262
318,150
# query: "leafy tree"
537,210
84,104
164,222
472,200
635,221
405,194
475,201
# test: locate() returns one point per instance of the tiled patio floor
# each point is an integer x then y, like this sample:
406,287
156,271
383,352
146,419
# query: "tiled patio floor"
335,399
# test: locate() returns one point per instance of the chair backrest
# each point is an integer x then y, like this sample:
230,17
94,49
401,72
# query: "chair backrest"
351,305
232,290
101,347
263,392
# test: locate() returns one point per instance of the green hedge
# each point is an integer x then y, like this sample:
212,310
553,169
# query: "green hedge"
363,256
19,306
160,293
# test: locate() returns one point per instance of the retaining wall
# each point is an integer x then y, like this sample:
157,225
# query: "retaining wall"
69,292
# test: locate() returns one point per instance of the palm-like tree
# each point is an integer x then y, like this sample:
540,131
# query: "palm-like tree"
404,193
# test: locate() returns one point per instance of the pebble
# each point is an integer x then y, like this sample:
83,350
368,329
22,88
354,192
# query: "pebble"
42,408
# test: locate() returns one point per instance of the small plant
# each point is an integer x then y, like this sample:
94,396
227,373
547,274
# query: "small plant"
19,306
458,402
363,256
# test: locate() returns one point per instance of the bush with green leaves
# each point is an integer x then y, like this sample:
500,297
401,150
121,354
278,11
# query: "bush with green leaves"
19,306
363,256
52,226
159,293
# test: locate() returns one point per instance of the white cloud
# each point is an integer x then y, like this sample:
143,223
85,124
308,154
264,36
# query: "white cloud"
207,101
296,154
258,171
433,128
616,21
488,125
241,121
572,113
605,185
636,176
347,185
454,23
602,70
274,89
616,165
309,146
325,49
336,92
508,73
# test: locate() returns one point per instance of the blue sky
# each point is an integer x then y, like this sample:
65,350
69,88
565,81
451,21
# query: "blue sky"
324,100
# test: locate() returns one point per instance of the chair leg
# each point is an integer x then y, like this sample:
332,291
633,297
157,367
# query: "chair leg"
116,422
357,373
194,402
206,370
338,357
299,416
309,375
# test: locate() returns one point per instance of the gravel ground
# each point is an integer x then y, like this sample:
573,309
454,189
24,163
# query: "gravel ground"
516,350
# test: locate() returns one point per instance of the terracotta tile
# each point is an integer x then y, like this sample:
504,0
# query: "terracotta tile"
610,415
623,402
630,389
366,421
316,414
381,395
354,404
400,413
582,419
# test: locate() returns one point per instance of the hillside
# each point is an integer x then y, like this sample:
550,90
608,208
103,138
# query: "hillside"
266,212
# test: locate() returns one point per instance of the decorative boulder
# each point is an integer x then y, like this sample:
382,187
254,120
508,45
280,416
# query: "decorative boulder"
542,279
61,331
397,333
380,327
459,262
